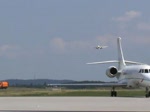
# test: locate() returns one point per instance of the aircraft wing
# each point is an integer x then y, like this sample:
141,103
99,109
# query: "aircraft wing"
90,84
104,46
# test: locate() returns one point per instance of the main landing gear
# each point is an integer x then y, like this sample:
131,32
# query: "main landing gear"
147,92
113,92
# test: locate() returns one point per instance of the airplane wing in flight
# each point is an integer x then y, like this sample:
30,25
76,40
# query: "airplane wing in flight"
100,47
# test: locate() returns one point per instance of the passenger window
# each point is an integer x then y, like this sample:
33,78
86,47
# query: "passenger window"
146,70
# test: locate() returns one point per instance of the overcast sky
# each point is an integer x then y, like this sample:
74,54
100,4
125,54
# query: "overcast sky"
54,39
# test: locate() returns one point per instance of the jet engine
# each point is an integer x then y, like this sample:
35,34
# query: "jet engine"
111,71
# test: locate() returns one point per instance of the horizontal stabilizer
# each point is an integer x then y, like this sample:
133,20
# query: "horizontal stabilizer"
133,62
116,61
103,62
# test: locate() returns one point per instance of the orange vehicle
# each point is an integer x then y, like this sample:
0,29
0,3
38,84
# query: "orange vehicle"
4,85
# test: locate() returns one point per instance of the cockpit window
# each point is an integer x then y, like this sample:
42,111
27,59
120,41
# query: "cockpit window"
144,71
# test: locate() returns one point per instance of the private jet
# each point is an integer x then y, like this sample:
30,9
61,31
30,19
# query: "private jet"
129,74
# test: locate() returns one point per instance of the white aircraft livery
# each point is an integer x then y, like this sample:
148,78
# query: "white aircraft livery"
132,76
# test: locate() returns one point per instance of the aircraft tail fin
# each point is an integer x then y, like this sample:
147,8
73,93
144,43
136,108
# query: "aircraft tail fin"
121,61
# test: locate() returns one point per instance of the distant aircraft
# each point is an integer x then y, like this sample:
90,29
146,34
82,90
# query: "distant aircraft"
100,47
131,76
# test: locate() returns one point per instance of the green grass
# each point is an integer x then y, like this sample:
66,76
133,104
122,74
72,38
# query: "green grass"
14,91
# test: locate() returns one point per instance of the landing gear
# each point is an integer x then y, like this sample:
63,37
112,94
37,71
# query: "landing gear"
113,92
147,92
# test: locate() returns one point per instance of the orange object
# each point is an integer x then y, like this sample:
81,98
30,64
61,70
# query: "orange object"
4,85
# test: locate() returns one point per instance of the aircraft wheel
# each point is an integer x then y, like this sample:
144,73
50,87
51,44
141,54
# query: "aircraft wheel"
112,93
115,93
147,95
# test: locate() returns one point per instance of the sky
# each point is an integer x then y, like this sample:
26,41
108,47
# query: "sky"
54,39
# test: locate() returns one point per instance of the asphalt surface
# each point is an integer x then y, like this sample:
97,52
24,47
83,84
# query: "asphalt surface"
73,104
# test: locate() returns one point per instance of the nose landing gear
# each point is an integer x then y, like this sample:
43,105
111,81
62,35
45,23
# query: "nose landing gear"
147,92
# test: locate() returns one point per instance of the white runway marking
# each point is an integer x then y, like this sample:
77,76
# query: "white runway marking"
74,104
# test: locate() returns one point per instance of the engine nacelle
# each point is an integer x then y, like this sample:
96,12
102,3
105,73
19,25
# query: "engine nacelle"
111,71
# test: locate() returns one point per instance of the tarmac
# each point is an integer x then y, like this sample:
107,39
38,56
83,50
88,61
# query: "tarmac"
74,104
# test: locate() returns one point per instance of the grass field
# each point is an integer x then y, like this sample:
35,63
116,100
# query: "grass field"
16,91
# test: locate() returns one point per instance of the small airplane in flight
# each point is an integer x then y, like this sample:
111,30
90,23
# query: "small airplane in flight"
100,47
130,76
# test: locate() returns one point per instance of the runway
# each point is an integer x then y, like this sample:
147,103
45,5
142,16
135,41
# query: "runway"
62,104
